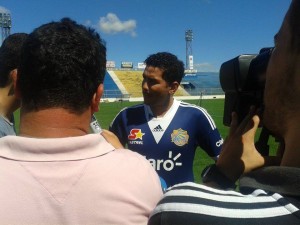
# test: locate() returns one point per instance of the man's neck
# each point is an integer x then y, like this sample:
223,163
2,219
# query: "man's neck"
162,109
54,123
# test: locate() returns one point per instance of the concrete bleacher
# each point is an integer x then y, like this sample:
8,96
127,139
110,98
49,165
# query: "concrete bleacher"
111,90
203,83
126,85
130,82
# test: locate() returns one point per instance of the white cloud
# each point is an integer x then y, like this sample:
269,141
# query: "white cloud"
205,67
88,23
111,24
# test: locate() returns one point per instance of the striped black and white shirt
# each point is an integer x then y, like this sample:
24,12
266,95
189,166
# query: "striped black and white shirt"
190,203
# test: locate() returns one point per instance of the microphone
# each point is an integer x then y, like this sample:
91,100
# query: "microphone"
95,126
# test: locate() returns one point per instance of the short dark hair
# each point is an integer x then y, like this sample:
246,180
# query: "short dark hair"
173,67
10,52
62,64
294,22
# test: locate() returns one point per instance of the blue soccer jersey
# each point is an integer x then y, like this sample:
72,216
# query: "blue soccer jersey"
169,142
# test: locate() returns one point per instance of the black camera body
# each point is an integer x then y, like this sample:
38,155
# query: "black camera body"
243,80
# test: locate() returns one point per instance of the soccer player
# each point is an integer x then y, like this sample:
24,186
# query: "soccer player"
164,130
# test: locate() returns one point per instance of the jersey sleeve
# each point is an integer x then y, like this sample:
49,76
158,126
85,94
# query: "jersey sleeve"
210,139
212,144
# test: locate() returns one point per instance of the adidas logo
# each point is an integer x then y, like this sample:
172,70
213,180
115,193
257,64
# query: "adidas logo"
157,129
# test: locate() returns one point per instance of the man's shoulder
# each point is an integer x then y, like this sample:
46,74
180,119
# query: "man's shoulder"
194,110
134,108
191,107
186,198
130,155
263,178
132,111
127,116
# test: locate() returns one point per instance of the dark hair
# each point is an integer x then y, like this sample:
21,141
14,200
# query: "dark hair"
294,22
173,68
62,64
10,52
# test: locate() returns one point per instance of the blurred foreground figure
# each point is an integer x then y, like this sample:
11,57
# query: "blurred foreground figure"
10,52
270,194
55,172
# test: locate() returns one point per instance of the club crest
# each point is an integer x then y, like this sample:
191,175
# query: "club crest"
180,137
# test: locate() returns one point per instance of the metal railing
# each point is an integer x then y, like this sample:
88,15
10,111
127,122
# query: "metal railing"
193,92
205,91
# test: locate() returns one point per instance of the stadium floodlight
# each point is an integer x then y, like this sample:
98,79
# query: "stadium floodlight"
5,23
189,51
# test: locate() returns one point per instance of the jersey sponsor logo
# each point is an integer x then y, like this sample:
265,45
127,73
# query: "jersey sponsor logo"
136,136
168,164
180,137
220,142
158,129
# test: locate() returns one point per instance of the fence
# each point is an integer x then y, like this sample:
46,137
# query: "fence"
205,91
197,93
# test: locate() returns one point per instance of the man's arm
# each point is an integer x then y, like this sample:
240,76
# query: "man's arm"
209,137
239,155
111,138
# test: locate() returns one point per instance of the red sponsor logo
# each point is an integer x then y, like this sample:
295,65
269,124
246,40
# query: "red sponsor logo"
136,134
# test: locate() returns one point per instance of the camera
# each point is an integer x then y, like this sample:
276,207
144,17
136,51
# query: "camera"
243,81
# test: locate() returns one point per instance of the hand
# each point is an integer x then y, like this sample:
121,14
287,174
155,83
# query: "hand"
239,155
111,138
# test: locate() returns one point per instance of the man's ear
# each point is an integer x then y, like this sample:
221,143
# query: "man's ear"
14,76
173,87
96,98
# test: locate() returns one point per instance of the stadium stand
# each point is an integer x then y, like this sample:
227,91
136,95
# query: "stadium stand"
132,81
203,83
110,87
121,85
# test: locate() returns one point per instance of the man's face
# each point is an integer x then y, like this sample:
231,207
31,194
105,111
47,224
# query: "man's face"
280,84
156,90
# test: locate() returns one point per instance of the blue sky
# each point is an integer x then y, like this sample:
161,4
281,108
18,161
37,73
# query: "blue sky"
134,29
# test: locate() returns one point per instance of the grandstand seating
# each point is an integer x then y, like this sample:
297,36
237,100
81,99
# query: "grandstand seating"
130,82
121,85
111,90
203,83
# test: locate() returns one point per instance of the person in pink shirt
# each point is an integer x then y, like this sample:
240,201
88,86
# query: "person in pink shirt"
55,171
